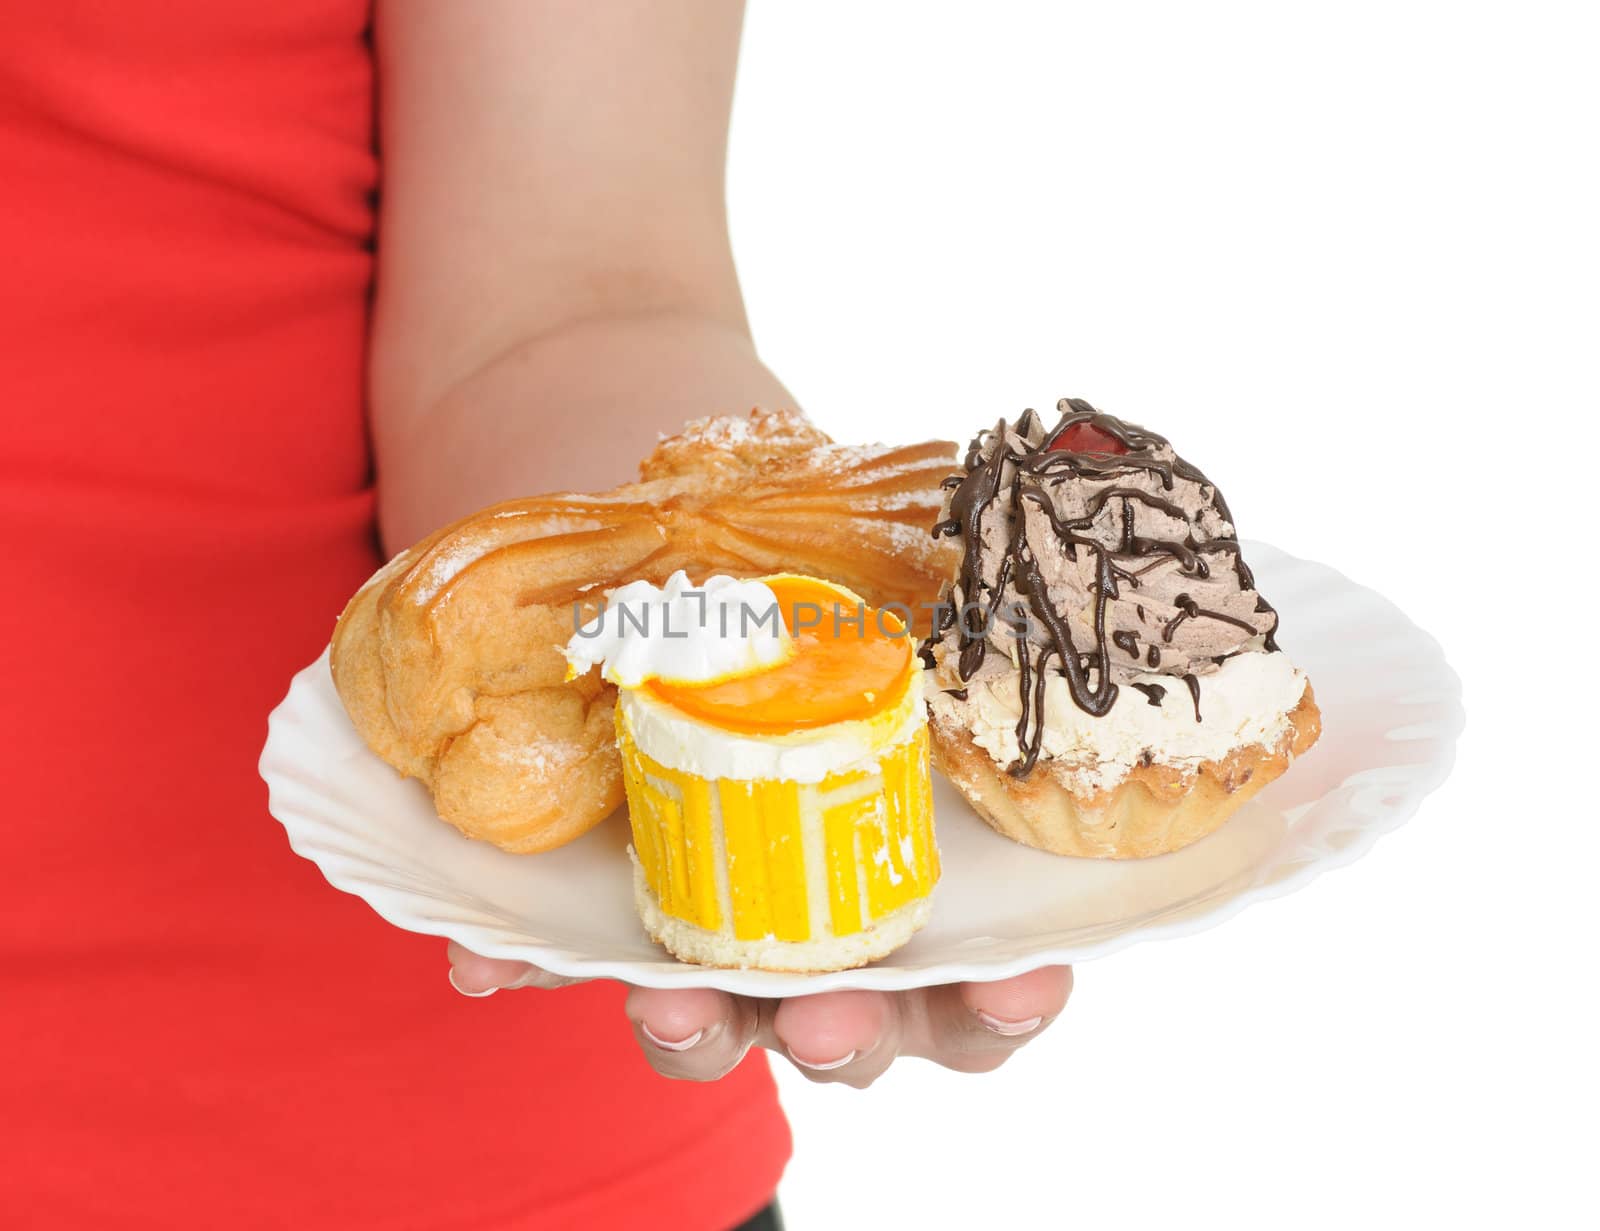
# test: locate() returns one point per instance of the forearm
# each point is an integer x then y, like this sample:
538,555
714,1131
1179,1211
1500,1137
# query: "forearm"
555,286
572,410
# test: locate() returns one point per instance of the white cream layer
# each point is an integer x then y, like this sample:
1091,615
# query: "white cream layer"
682,633
677,741
1246,701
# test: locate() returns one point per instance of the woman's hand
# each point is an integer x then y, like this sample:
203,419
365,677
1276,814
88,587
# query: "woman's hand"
851,1037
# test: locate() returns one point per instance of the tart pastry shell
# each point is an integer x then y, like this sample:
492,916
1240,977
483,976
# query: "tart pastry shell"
1154,810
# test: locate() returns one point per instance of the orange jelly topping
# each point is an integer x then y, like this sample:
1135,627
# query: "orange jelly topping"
843,667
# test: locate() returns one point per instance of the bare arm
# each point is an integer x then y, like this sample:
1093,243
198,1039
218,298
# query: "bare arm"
555,288
555,285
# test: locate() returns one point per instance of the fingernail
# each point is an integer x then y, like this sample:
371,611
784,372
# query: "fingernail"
679,1045
822,1066
475,995
1010,1029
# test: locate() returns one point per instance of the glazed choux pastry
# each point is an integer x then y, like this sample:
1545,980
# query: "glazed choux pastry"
449,660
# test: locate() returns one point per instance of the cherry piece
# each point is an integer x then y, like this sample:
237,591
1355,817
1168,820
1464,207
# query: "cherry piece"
1087,438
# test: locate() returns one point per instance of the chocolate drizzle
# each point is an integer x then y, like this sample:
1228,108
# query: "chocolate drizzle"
1020,472
1154,692
1194,692
1188,609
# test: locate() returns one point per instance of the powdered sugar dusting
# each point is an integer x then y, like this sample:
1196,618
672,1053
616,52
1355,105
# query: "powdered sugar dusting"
904,537
717,431
537,759
769,431
443,567
448,560
902,500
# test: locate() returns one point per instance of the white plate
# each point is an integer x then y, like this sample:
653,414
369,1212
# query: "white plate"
1391,710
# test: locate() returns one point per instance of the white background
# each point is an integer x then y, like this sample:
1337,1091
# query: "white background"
1345,256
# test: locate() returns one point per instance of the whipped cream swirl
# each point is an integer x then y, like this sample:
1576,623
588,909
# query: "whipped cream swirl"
682,633
1092,552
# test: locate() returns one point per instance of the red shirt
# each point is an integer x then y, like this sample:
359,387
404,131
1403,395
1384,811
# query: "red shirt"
195,1029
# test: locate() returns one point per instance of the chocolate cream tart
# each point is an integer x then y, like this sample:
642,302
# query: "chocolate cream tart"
777,776
1106,677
